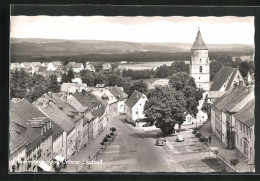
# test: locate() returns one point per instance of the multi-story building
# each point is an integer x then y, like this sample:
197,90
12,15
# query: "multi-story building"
134,107
36,130
245,131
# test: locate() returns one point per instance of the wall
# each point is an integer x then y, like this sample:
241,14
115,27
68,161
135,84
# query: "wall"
57,145
212,120
85,134
95,126
16,156
224,128
218,124
71,142
138,109
113,109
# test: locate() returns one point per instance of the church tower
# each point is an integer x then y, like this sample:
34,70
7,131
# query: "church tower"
199,63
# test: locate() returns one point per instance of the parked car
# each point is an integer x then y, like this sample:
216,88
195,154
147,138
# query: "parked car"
179,138
160,142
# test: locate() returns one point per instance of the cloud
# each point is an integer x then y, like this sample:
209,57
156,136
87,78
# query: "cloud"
137,29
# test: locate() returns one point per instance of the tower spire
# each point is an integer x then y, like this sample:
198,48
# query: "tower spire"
199,43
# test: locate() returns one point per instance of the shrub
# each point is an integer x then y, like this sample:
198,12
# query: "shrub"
202,139
102,143
198,135
234,162
105,140
194,132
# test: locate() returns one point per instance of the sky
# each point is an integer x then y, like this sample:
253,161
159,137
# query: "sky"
215,30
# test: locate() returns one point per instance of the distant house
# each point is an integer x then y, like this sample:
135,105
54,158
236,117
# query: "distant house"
245,131
107,96
77,79
72,87
106,67
52,66
89,67
76,67
225,78
134,107
160,82
14,66
121,96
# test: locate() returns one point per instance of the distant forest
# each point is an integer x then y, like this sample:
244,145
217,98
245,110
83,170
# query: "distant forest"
128,57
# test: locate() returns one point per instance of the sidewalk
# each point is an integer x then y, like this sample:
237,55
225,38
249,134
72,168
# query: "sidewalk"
89,150
216,144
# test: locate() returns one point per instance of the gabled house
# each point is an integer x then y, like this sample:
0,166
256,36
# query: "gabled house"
107,96
36,130
134,107
121,97
106,67
245,131
225,78
89,67
72,87
77,79
52,66
76,67
48,108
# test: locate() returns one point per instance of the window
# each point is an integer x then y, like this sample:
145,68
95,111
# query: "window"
250,134
247,131
199,78
240,142
243,128
200,68
240,126
237,139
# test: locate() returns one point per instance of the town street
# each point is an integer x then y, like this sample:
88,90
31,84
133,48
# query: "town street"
133,151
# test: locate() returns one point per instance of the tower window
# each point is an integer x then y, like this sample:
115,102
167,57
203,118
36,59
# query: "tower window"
199,78
200,68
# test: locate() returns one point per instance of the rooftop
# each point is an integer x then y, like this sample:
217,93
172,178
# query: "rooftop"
133,99
199,43
246,115
222,76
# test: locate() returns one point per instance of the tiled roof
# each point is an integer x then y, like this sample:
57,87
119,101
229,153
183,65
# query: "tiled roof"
233,97
103,92
133,99
65,107
15,141
118,93
24,111
215,94
222,76
199,43
67,86
60,118
246,115
85,101
160,82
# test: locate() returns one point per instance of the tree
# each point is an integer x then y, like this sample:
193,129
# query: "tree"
165,107
100,79
164,71
139,86
246,67
54,86
114,65
70,75
18,83
114,79
180,66
184,83
64,78
88,77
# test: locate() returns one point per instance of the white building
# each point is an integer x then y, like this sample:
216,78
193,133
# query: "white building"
245,135
134,107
